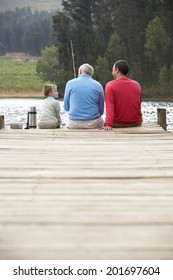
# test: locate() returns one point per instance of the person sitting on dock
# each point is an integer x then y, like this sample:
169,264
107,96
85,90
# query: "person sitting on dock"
50,110
84,100
123,99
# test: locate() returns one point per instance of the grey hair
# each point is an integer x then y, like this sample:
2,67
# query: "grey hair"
86,69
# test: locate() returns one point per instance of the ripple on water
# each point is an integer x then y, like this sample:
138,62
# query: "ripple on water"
16,110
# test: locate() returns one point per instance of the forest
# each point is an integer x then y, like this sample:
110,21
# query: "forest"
99,32
140,31
22,30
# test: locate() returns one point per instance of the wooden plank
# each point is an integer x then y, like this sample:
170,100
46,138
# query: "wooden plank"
81,242
86,194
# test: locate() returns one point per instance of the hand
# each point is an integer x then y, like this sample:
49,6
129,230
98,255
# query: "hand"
107,127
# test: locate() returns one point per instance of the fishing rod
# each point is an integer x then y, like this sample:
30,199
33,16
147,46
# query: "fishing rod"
73,61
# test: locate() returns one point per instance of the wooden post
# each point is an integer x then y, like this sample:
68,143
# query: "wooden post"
1,121
161,117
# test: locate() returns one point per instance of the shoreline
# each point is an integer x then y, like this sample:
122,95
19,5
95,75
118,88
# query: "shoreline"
20,94
38,94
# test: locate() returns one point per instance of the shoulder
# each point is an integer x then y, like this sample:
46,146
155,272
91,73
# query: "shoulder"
135,83
56,104
52,100
72,81
96,82
56,101
110,84
98,86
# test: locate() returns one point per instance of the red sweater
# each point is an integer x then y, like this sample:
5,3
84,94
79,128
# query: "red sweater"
123,102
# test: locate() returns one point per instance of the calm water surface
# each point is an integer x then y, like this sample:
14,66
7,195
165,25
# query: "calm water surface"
16,110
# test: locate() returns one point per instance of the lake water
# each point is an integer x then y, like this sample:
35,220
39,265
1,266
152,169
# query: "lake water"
16,110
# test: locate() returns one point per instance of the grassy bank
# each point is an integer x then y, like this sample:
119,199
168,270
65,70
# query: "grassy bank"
20,94
18,78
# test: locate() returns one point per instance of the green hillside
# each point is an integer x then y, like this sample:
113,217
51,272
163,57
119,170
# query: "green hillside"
45,5
19,75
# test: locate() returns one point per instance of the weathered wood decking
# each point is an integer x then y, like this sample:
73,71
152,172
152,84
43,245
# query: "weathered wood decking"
80,194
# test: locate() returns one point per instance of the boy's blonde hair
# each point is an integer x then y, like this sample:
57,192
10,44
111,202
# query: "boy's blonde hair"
48,89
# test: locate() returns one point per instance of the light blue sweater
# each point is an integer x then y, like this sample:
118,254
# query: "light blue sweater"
84,98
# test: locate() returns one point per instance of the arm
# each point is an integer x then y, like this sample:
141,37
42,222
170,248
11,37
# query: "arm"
67,98
58,109
110,106
101,101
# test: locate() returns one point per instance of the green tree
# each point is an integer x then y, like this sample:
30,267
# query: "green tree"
24,31
103,31
61,39
157,43
171,80
102,20
103,70
49,68
164,81
166,14
74,24
116,49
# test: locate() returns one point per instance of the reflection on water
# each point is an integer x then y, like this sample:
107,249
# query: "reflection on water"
16,110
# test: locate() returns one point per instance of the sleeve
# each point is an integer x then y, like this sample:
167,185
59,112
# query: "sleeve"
67,97
101,101
110,105
58,116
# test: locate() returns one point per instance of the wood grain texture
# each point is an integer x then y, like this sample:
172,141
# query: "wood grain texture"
86,194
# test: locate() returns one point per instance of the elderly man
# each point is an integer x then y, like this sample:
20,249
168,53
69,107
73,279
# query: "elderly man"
84,100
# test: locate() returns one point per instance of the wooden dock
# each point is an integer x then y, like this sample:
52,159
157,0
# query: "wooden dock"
86,194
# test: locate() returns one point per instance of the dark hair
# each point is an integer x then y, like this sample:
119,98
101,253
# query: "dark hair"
122,66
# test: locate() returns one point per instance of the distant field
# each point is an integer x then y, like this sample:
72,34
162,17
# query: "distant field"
18,76
46,5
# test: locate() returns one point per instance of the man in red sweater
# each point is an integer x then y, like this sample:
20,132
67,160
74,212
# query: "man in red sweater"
123,99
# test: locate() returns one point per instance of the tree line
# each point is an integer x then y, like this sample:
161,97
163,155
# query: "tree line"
104,31
22,30
100,32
